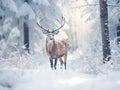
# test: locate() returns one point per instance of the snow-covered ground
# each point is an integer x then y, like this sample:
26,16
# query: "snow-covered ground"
57,80
29,72
43,78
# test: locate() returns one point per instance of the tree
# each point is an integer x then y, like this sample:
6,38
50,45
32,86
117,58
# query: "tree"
118,33
26,36
105,30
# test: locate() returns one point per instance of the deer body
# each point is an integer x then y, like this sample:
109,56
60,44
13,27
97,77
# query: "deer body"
56,50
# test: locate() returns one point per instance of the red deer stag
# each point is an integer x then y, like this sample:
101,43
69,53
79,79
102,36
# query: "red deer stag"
55,49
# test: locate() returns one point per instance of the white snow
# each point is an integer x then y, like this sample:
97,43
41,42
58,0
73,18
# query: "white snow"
46,79
29,72
44,2
26,10
11,5
15,33
1,12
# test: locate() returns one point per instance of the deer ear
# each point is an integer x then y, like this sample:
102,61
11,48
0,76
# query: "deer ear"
56,32
45,32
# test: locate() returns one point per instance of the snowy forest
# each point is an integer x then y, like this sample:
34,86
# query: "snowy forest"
86,34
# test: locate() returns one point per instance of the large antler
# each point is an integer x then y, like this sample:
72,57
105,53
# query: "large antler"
38,23
56,31
47,30
61,23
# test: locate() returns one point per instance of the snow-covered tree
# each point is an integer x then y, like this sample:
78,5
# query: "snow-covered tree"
15,15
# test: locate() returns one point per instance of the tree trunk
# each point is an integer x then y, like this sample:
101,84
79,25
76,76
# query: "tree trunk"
105,30
26,36
118,34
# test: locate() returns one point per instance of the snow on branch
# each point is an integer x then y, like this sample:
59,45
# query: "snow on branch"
11,5
26,10
114,5
88,5
44,2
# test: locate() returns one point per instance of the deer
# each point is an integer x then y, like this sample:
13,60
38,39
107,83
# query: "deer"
55,50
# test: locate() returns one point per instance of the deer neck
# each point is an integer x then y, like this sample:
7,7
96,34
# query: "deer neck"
50,45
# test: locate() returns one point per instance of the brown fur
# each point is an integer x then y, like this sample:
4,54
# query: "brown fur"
58,50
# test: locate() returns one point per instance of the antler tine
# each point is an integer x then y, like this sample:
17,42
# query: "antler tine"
39,20
63,22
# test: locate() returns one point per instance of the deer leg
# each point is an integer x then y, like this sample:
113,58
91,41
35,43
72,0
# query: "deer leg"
65,65
61,62
65,59
51,63
55,63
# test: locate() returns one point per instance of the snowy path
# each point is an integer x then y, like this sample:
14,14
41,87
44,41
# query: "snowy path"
57,80
44,78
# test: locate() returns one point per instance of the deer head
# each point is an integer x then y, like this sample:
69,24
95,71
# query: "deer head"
50,34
